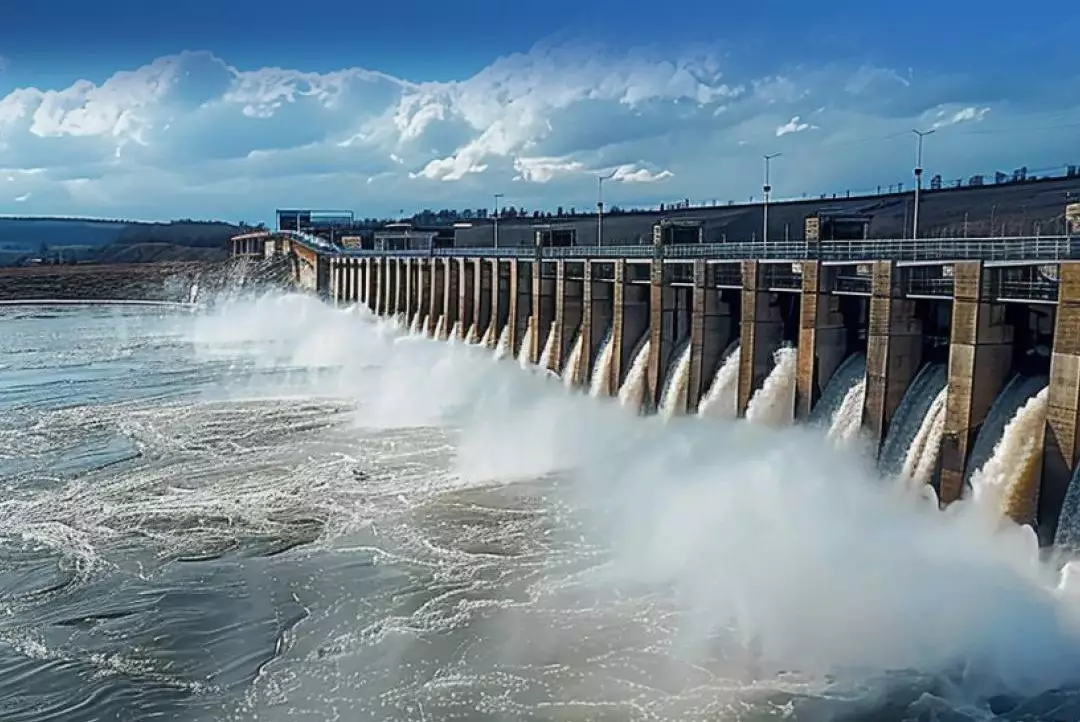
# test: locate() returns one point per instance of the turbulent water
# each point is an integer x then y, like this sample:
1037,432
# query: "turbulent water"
274,510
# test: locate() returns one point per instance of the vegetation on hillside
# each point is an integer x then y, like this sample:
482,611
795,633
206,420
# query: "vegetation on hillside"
82,240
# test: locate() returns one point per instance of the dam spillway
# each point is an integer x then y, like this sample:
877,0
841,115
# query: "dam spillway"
694,326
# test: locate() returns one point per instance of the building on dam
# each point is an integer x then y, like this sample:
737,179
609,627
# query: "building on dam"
942,340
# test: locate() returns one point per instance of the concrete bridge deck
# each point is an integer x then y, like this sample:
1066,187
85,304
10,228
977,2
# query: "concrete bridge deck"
987,308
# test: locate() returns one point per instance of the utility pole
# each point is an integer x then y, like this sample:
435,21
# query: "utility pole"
919,135
600,206
495,226
765,208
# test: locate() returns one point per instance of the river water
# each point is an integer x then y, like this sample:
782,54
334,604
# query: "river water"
269,509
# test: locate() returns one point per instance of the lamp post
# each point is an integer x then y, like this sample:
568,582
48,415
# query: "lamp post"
765,207
600,206
919,135
495,226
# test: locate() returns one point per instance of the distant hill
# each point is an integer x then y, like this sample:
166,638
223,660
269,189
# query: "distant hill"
112,241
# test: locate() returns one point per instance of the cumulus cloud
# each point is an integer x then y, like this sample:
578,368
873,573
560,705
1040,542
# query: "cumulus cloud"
192,135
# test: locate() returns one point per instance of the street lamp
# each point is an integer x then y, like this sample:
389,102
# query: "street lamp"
765,208
495,226
600,206
919,135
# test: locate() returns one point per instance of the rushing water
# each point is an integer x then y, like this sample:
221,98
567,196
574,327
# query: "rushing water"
632,391
273,510
774,403
571,374
600,383
675,397
721,401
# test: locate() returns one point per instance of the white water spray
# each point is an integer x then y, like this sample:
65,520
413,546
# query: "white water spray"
440,327
922,456
846,422
525,352
721,402
488,341
572,371
673,402
670,498
455,332
1007,484
502,348
632,392
774,403
549,348
600,383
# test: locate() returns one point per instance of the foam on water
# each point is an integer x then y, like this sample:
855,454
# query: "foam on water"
623,566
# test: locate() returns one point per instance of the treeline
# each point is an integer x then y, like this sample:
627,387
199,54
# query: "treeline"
449,216
192,234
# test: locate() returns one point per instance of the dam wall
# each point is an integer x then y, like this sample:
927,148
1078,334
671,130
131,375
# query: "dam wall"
672,316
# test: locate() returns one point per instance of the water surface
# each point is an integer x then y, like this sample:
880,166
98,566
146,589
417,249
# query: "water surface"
275,510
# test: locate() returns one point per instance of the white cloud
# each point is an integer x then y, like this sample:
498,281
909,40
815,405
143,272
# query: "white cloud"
190,135
944,117
633,174
793,126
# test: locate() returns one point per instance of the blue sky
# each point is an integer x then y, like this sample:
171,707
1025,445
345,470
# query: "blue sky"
678,99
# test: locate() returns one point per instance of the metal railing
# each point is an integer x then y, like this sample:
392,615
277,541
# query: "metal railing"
1015,249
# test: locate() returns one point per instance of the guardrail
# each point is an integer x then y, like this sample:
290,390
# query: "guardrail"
1018,249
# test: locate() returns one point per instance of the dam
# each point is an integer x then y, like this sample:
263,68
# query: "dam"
929,347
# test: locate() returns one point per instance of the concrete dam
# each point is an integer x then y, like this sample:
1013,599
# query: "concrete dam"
956,361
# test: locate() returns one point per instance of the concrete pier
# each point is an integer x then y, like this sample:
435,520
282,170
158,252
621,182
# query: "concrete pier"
980,358
423,292
371,283
437,294
382,295
466,298
498,299
893,349
521,295
543,308
630,323
761,332
396,289
1061,450
663,332
481,298
822,336
451,297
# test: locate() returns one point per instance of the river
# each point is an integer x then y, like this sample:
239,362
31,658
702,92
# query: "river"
269,509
